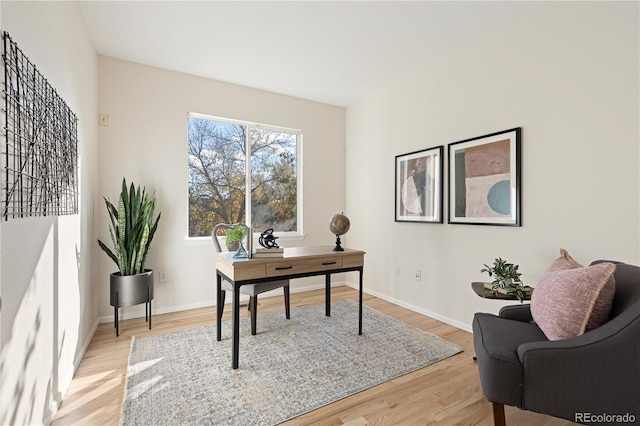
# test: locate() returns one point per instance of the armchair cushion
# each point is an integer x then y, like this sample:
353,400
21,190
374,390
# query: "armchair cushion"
563,263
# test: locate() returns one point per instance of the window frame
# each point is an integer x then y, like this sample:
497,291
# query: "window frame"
286,235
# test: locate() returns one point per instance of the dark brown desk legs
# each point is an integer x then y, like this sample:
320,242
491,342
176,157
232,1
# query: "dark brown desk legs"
235,312
235,352
327,295
287,302
360,304
219,306
327,298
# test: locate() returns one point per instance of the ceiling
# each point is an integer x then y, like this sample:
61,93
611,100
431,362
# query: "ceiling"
334,52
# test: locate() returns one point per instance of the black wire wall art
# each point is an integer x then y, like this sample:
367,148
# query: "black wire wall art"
40,155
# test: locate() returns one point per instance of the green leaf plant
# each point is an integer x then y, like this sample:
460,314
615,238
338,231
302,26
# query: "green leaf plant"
506,279
234,236
132,228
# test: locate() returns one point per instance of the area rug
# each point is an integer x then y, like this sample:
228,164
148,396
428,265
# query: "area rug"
289,368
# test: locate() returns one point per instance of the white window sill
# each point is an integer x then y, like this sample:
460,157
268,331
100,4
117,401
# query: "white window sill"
286,240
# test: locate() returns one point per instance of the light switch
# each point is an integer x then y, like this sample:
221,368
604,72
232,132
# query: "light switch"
103,120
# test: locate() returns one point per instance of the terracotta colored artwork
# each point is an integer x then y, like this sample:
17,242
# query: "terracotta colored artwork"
484,179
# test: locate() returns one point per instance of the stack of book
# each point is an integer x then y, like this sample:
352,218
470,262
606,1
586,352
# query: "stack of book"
509,291
268,252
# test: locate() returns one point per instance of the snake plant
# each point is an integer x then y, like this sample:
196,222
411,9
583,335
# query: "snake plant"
132,228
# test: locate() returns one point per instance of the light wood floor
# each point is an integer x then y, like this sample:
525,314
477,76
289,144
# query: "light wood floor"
447,392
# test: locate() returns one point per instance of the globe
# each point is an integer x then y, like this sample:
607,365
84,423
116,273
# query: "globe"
339,224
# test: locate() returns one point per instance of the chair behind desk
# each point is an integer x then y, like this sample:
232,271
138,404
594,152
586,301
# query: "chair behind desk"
252,290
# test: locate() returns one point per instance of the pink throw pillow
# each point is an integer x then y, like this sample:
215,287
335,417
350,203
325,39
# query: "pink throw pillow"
602,307
570,299
564,262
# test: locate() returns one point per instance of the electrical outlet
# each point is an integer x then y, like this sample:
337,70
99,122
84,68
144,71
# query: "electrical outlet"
418,275
163,277
397,271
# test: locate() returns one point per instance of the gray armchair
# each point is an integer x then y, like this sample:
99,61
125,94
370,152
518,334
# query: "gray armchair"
252,290
580,378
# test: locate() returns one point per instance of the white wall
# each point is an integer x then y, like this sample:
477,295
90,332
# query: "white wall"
567,72
49,309
146,141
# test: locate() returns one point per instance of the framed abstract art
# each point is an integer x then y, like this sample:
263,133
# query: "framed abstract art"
40,149
484,179
419,186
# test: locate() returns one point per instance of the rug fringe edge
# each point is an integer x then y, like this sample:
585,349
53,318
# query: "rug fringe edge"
125,393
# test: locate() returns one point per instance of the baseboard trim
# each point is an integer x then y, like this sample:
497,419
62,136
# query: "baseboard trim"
56,401
414,308
422,311
83,350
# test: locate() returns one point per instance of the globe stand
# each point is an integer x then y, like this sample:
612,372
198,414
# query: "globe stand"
338,247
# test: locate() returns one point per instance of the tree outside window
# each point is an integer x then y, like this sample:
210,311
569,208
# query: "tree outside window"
219,151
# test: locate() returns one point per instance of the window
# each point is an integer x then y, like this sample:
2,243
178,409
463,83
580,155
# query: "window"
225,158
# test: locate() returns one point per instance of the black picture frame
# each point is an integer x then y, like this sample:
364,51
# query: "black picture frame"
419,186
485,179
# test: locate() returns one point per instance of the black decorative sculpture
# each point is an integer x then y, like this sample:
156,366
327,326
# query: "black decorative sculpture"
268,240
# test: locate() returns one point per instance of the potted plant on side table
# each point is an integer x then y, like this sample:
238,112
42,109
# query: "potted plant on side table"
132,230
506,279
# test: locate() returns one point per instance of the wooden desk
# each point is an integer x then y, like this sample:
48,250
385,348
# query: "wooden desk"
297,262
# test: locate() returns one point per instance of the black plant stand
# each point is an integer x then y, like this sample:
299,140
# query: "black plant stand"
130,290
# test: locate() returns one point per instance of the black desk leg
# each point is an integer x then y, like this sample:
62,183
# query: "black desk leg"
236,327
149,307
360,301
219,306
327,294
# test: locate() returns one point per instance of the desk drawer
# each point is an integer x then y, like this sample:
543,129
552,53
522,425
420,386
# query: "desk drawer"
276,268
353,260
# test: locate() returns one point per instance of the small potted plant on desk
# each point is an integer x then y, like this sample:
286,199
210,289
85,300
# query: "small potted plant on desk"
506,280
234,240
132,229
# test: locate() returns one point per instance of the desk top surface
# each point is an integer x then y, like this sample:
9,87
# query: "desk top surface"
291,253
